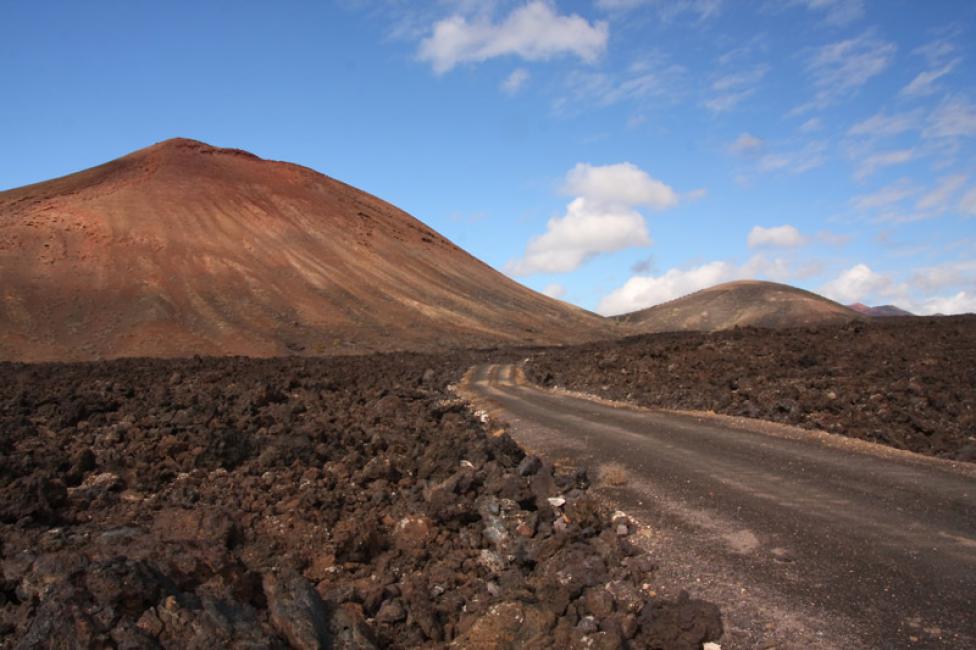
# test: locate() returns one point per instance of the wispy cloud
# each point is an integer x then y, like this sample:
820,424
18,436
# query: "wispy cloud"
953,118
812,125
746,144
885,197
882,125
810,156
967,204
648,77
838,13
939,199
668,9
515,81
938,51
839,69
533,32
890,203
876,161
924,82
730,89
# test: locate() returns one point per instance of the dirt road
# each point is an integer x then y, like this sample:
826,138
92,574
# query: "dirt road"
803,540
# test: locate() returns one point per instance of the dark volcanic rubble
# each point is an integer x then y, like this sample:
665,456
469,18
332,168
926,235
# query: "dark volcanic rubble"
908,382
349,503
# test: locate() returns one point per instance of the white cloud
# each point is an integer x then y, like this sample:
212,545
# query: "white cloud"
861,284
622,184
514,82
955,117
959,275
883,125
836,12
924,82
963,302
603,218
942,276
731,89
876,161
839,69
533,32
967,204
938,199
855,284
785,236
554,290
582,233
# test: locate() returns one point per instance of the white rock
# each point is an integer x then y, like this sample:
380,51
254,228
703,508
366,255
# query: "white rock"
711,645
556,502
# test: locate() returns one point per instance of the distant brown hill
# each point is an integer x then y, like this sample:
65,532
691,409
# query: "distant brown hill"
183,248
747,302
881,311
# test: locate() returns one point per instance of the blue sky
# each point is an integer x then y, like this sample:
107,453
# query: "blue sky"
614,153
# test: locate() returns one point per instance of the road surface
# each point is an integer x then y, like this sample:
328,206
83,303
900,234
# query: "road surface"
802,542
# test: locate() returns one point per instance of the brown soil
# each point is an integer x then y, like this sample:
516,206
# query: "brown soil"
351,502
905,382
740,304
182,248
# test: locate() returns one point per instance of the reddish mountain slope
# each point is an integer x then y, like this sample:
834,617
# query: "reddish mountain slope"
182,248
747,302
881,311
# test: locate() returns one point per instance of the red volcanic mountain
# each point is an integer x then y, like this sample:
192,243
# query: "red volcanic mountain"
183,248
881,311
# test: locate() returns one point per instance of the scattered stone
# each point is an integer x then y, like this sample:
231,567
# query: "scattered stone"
297,611
412,532
391,612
